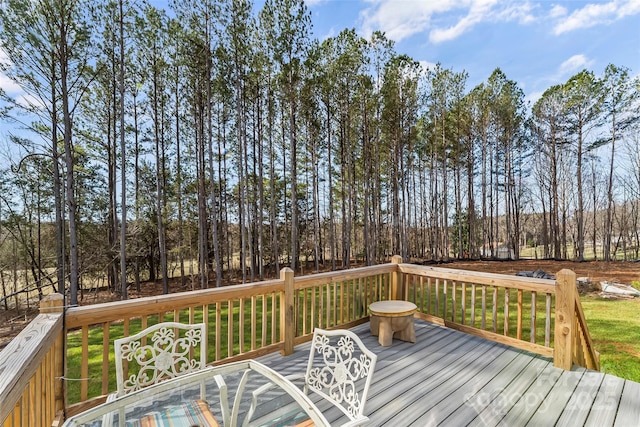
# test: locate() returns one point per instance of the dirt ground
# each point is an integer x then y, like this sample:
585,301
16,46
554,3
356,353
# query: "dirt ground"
596,271
12,322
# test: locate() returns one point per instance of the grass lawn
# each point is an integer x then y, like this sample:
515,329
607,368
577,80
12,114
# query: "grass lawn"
614,326
116,330
615,330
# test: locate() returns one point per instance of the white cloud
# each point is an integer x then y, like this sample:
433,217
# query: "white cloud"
519,11
533,97
6,84
597,14
426,65
29,102
3,55
402,19
446,20
574,64
9,86
558,11
329,34
629,8
478,12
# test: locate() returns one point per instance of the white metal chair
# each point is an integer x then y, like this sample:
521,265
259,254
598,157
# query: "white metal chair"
160,353
339,370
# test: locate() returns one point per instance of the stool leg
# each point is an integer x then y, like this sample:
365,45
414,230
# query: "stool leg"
374,324
408,333
386,332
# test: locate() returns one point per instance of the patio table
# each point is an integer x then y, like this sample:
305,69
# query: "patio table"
200,398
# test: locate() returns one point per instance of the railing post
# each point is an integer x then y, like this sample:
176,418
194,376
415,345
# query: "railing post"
54,303
287,310
396,279
564,329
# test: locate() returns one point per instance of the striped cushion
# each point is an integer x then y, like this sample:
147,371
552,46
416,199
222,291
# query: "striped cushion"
194,413
296,419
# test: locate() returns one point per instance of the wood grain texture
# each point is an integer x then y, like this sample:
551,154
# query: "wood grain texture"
21,361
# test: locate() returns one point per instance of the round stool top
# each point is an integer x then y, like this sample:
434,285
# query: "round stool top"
392,308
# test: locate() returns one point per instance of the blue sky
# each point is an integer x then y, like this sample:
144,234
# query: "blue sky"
536,43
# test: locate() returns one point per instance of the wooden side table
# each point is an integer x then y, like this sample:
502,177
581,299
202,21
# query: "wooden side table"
392,319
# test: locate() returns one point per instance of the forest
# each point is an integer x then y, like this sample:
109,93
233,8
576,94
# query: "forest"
216,138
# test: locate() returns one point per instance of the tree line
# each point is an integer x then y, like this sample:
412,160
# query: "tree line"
214,138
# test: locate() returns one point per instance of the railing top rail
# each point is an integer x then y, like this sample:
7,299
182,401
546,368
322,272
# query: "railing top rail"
112,311
336,276
489,279
20,359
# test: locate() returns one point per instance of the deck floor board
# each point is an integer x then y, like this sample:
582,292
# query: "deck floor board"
422,410
403,393
452,378
556,400
629,409
581,400
478,400
529,400
605,406
456,401
503,400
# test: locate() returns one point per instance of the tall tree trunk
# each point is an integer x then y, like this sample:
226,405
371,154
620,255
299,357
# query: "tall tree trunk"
272,183
332,229
471,208
608,231
203,248
179,189
57,195
261,207
485,228
69,163
594,210
580,213
123,168
136,208
293,136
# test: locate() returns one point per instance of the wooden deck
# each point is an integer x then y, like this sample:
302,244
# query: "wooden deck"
454,379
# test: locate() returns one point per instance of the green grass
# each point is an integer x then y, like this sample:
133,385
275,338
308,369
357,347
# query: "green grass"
427,304
589,254
343,298
615,329
614,326
116,330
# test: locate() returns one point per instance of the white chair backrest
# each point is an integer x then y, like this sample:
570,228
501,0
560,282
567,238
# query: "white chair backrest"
340,369
161,352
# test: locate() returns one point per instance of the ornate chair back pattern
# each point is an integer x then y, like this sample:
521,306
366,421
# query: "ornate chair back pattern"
340,369
160,353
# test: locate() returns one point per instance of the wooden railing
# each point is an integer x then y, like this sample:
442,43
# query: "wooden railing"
247,321
517,311
244,321
31,370
573,344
